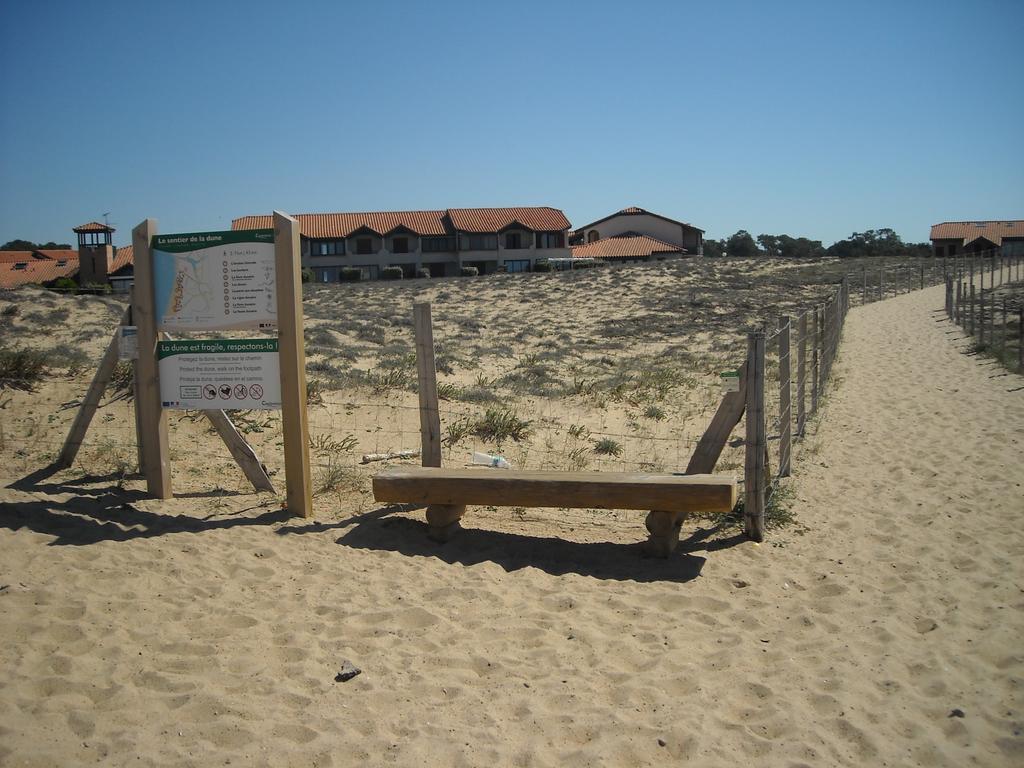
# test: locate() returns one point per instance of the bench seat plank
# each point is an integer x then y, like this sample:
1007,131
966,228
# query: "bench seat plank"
521,488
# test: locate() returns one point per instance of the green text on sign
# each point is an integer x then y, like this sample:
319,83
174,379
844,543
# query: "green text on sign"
214,347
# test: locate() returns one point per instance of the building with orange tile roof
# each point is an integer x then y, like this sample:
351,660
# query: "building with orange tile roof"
441,242
640,222
629,246
95,263
951,238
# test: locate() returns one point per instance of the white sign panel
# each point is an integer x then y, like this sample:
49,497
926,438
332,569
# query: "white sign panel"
730,381
208,374
209,281
128,342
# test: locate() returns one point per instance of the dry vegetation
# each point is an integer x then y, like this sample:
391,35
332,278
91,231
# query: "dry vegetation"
611,368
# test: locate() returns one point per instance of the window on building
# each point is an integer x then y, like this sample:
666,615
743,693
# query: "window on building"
551,240
481,242
513,240
592,236
62,262
952,249
400,245
518,265
364,245
327,248
438,244
21,265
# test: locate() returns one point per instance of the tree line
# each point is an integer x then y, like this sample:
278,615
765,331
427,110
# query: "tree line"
28,245
875,242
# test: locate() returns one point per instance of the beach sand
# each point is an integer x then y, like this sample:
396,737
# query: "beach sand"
885,628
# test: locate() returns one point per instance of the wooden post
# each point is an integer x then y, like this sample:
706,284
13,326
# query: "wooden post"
981,312
292,359
243,454
1020,343
881,283
970,311
816,362
92,400
922,277
823,358
1002,335
430,417
156,464
785,406
754,465
727,416
958,311
801,375
864,290
135,390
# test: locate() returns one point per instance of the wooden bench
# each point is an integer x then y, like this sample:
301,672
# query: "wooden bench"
669,498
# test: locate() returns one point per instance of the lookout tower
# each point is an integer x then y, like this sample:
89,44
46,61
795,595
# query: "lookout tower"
95,252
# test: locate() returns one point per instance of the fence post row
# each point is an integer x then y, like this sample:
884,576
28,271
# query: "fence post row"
816,363
756,443
801,375
785,410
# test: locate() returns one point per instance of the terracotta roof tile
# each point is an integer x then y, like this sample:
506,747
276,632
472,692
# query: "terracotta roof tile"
327,225
496,219
123,258
37,271
93,226
46,269
993,231
324,225
9,257
631,246
59,254
635,211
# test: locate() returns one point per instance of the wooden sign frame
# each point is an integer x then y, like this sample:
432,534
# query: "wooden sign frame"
151,418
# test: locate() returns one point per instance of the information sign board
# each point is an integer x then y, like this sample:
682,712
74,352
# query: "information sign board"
207,281
212,374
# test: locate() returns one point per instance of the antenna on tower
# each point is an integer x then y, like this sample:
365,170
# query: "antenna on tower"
105,215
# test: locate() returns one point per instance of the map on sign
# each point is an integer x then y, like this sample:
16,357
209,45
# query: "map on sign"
209,281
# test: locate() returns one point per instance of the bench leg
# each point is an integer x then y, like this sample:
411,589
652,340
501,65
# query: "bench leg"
664,529
443,521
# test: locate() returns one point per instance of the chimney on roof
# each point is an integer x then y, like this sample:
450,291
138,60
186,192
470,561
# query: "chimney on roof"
95,253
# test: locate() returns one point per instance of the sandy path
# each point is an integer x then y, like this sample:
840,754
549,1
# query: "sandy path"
134,628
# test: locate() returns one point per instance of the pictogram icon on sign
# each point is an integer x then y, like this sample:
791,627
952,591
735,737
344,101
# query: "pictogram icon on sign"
209,391
255,391
240,391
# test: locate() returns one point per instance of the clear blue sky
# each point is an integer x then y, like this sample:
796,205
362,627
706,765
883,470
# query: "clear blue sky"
805,118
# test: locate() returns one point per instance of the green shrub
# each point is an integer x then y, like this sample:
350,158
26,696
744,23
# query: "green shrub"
307,275
65,285
391,273
498,424
470,271
607,447
423,272
542,266
351,274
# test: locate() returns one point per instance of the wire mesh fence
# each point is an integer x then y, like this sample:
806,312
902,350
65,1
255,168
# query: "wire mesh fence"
648,418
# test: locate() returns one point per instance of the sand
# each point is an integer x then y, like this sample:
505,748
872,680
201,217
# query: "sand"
885,628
